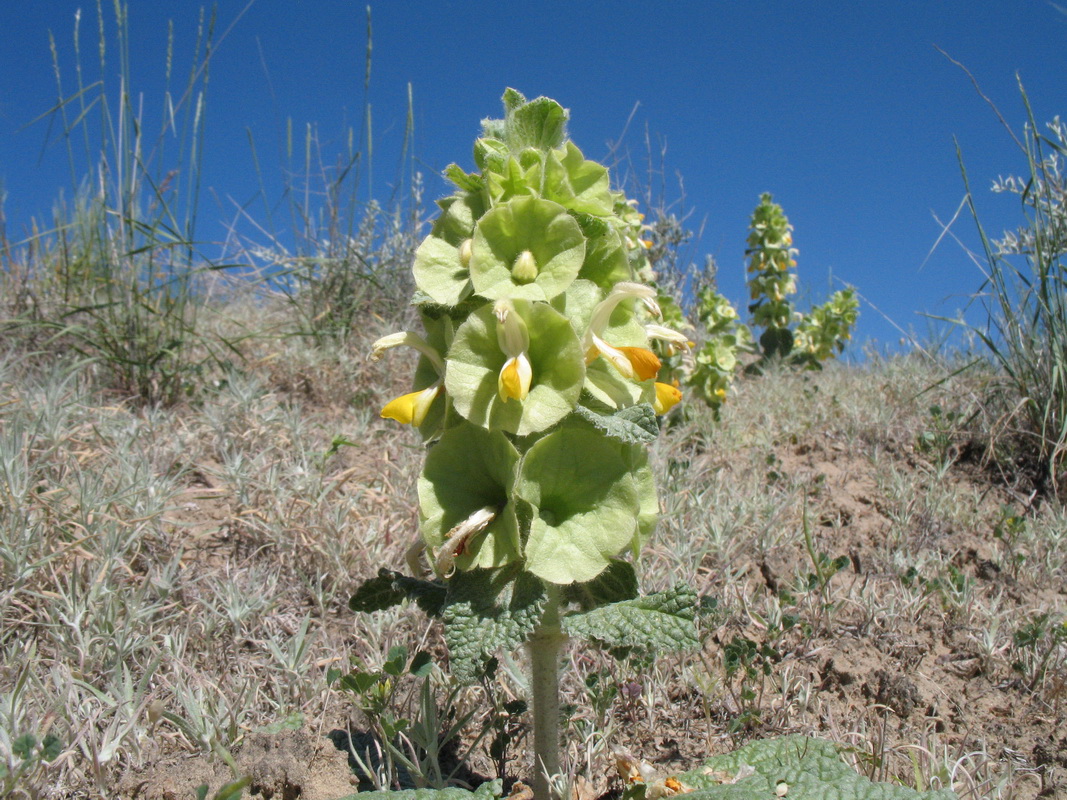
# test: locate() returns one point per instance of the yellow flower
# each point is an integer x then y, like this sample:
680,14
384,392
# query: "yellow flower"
667,397
411,409
515,378
516,375
636,363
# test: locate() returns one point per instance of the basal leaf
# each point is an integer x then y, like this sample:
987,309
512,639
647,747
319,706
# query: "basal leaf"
486,611
811,769
662,621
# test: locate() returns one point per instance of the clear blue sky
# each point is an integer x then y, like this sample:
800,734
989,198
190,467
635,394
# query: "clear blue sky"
844,110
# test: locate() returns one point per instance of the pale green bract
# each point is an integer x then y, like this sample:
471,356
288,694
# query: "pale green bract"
585,504
471,468
576,183
439,269
526,225
475,361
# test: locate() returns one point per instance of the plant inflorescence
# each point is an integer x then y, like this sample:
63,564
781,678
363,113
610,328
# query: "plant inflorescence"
536,391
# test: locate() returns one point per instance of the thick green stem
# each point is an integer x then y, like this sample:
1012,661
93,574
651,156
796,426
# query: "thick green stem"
544,646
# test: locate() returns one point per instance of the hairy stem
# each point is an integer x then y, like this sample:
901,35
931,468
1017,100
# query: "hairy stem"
544,646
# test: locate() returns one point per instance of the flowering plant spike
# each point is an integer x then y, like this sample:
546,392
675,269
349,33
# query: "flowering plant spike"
536,391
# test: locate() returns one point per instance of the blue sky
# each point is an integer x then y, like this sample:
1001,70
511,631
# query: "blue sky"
845,111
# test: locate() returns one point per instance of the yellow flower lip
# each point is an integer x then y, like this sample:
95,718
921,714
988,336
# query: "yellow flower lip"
667,397
515,378
512,335
411,408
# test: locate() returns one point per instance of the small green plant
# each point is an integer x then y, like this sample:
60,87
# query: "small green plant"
23,756
823,569
1008,530
537,389
1039,647
939,438
748,664
374,693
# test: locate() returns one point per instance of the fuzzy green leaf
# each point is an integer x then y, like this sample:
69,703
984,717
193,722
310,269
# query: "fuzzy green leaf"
469,182
662,621
631,425
811,769
486,611
490,153
616,583
391,588
540,123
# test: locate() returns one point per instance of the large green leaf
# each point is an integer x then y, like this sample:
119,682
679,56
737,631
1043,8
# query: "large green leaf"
585,504
469,469
526,225
662,621
486,611
811,769
475,361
